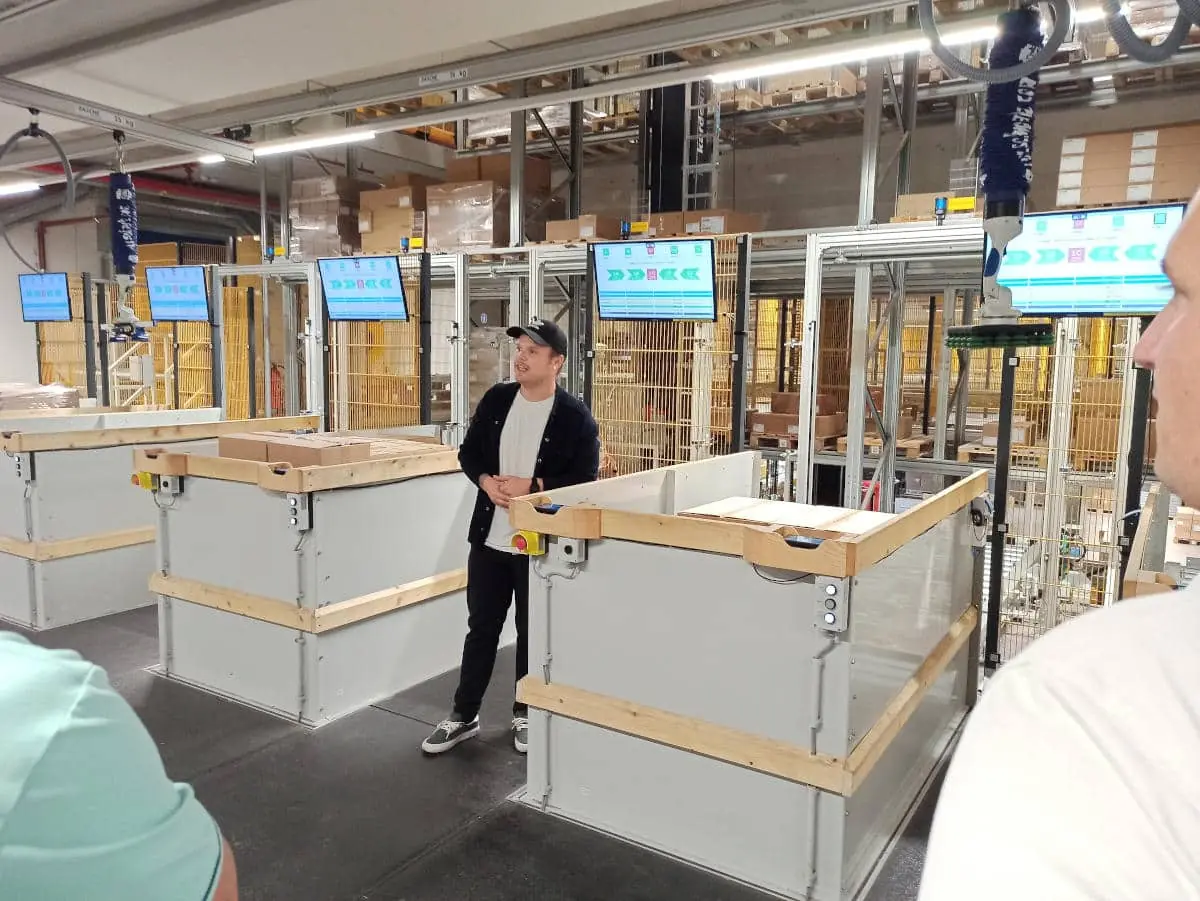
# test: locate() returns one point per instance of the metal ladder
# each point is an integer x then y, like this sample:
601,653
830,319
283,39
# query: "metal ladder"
702,145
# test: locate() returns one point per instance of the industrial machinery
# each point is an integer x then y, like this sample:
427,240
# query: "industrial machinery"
123,221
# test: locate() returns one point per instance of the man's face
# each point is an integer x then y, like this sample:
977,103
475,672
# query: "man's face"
536,364
1171,347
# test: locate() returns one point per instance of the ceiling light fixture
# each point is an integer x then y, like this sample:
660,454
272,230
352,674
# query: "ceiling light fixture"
312,142
12,188
853,51
210,159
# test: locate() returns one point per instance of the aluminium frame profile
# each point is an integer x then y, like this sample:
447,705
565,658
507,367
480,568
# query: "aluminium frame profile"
882,243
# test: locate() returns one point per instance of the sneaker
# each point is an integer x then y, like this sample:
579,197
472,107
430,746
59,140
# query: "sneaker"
450,732
520,728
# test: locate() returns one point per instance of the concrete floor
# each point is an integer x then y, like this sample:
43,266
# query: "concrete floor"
354,812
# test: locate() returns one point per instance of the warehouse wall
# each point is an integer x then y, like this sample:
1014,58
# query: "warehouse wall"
815,183
18,339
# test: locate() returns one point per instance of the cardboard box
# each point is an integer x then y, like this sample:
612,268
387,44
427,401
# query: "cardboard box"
246,445
778,425
1101,397
317,450
585,228
1095,432
411,180
720,222
789,402
665,225
1153,165
922,206
904,427
384,231
470,214
325,187
497,168
832,426
409,197
1021,433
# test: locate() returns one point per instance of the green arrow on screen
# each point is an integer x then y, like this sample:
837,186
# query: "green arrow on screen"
370,284
667,274
1142,252
1018,257
616,275
637,275
1103,254
691,274
1050,255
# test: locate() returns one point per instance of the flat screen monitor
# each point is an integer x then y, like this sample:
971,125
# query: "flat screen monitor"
178,293
1104,262
656,280
363,289
45,297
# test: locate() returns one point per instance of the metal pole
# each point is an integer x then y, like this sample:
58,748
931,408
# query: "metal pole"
964,373
811,338
516,201
1137,456
941,415
460,389
264,220
741,315
89,339
999,538
589,351
102,345
426,338
252,337
292,342
860,313
929,365
316,355
575,197
175,365
217,331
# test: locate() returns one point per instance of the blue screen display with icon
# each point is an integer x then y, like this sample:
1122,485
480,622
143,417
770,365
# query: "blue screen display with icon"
45,297
656,280
1104,262
177,293
363,289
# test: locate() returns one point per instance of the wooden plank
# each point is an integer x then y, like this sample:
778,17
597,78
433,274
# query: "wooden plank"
887,538
435,461
897,714
267,610
684,733
27,442
769,548
709,535
335,616
62,549
580,522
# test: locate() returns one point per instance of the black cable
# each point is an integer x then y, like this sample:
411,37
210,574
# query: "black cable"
34,131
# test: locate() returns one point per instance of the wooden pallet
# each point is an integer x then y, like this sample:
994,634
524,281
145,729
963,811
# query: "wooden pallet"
1023,457
791,442
742,101
910,448
1091,461
808,93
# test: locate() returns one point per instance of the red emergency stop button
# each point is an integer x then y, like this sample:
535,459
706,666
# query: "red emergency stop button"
520,543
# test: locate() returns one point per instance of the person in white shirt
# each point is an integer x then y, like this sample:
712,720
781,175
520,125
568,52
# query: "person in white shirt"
526,436
1078,775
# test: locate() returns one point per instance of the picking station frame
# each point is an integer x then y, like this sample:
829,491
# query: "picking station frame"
760,688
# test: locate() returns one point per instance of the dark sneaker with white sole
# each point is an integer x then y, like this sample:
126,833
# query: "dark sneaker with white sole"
450,732
520,729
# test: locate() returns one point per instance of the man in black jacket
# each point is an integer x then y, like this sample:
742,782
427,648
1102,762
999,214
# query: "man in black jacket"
526,437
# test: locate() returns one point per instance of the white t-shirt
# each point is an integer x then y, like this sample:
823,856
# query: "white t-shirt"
520,443
1078,776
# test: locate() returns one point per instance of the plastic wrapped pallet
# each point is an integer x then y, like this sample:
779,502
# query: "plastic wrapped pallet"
19,396
324,217
467,214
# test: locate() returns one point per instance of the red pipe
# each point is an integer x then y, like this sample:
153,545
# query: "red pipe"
170,188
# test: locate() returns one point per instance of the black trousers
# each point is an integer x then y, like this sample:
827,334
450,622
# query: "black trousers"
494,578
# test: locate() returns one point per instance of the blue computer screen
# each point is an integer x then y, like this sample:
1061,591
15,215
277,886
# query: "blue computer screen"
45,297
1105,262
363,289
177,293
657,280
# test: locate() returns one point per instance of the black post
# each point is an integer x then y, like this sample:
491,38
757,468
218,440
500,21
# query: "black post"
252,341
1137,458
585,312
327,374
175,364
784,334
741,315
999,537
89,339
426,353
929,364
102,345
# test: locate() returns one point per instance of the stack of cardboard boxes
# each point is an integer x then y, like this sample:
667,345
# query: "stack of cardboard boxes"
784,419
1098,418
394,216
1187,525
1155,165
585,228
324,217
701,222
472,208
295,450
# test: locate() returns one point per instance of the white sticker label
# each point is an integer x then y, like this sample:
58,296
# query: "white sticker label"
1069,198
1070,180
450,76
1071,164
1139,192
1144,157
1073,146
1140,174
1145,139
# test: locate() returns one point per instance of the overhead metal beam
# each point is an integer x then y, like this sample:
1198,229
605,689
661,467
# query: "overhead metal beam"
198,15
64,106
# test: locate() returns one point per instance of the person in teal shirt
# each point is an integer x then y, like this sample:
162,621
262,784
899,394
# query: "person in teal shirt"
86,808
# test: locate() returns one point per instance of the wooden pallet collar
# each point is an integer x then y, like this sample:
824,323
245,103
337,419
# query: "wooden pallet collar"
28,442
65,548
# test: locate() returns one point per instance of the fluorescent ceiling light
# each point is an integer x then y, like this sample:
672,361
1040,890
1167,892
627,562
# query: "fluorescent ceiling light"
328,139
210,159
1091,14
854,51
9,189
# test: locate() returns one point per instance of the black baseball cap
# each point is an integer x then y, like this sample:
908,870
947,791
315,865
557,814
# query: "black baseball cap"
543,333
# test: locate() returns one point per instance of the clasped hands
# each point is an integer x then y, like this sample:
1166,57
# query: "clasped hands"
503,489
